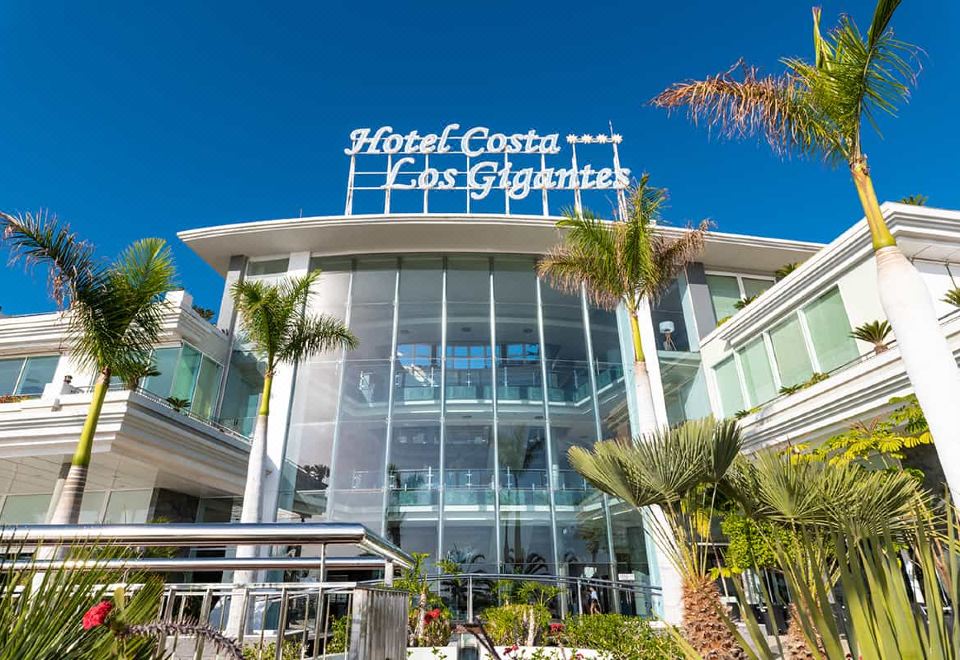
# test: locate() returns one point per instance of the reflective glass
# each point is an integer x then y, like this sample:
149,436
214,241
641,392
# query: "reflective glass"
374,281
165,363
668,321
185,373
724,294
728,384
790,351
24,509
753,286
242,392
830,331
9,375
128,507
267,267
36,374
468,473
757,372
208,383
684,388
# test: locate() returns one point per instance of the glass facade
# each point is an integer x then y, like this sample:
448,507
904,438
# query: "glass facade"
27,376
448,428
184,373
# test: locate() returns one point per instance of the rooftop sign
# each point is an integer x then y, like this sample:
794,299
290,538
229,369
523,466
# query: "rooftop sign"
478,162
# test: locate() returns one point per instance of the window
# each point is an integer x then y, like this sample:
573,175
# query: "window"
185,373
27,376
726,290
724,293
757,374
728,384
830,331
789,349
268,267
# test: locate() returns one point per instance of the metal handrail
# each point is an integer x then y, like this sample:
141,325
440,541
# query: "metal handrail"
212,534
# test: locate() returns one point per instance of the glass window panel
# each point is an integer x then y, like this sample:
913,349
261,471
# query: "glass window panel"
359,456
684,389
413,535
519,375
570,428
469,353
468,279
514,280
753,286
308,455
330,290
668,321
128,507
551,295
471,543
724,293
242,393
90,507
366,390
373,327
790,351
421,279
317,392
728,382
468,475
418,360
414,464
830,331
527,542
563,333
25,509
374,280
582,539
37,373
267,267
165,363
9,375
605,334
208,385
522,447
757,372
630,544
185,374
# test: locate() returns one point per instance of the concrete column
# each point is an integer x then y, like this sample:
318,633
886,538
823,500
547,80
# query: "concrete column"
227,314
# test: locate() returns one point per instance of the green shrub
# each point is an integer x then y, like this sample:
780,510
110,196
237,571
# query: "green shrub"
618,637
338,636
292,650
508,624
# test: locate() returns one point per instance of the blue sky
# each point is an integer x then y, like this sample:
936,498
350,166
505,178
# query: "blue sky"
133,120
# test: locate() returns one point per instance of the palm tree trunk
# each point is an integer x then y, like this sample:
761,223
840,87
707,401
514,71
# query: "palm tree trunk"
646,412
927,358
252,503
67,511
703,624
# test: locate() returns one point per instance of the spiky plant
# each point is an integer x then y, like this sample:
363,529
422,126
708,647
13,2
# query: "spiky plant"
623,263
679,470
785,270
873,332
114,316
819,108
914,200
952,297
746,300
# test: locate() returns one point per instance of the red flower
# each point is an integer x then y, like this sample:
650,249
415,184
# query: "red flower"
97,614
555,628
431,616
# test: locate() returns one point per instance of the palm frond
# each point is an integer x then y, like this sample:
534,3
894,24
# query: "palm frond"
777,108
40,239
312,335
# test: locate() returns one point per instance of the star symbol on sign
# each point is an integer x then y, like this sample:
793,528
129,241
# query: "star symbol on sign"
586,138
616,138
601,139
571,139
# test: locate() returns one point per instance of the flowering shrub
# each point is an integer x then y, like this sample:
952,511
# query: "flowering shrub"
97,615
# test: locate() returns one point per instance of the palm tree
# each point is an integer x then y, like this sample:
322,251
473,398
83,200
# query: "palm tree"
914,200
679,469
276,324
818,109
624,262
114,317
873,332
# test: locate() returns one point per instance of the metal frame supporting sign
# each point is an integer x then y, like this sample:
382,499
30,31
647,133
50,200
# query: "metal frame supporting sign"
478,161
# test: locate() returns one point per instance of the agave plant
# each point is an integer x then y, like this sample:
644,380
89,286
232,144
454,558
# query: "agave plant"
874,332
746,300
785,270
680,470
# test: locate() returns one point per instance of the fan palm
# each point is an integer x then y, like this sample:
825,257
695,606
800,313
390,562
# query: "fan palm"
680,470
114,317
278,328
819,108
625,262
